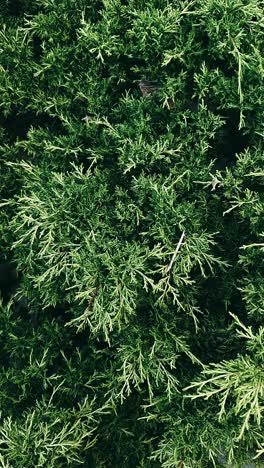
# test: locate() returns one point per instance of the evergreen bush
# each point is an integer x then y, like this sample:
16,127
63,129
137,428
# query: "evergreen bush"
132,333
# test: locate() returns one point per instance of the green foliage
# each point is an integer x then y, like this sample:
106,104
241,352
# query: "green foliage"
47,436
136,226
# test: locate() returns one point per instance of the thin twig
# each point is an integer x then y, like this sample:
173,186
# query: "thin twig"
168,269
95,293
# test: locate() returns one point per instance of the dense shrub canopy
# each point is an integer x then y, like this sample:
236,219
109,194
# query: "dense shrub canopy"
132,333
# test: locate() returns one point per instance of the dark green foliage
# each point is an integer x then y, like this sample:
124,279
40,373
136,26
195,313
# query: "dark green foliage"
131,334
